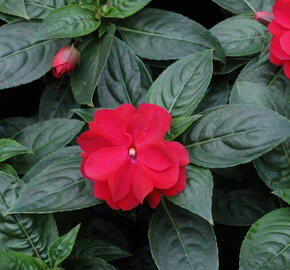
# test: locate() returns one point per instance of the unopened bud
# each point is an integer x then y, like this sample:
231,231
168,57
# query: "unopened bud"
65,61
264,17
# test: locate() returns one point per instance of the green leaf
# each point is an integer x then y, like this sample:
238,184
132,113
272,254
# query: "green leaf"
39,9
164,35
58,186
127,7
23,233
217,94
67,22
246,6
125,78
273,167
179,125
13,7
20,261
241,35
98,248
264,73
88,263
57,101
93,57
21,60
196,197
6,168
10,148
239,204
181,240
12,125
229,135
86,114
283,194
182,85
8,18
266,245
44,138
47,160
61,248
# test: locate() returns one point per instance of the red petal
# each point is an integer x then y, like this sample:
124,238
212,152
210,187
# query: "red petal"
121,182
142,185
277,51
281,11
285,42
109,125
179,186
153,198
180,152
276,29
163,179
90,142
128,113
129,202
101,190
287,69
154,155
102,164
112,205
275,60
148,110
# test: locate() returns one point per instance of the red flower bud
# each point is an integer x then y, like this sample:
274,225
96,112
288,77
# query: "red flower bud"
264,17
65,61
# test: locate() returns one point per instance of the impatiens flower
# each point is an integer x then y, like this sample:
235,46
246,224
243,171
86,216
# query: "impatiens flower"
264,17
128,160
65,61
280,29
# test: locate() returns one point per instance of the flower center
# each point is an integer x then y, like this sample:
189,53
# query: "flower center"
132,152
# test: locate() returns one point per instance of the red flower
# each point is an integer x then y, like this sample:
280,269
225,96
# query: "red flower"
264,17
127,158
65,61
280,29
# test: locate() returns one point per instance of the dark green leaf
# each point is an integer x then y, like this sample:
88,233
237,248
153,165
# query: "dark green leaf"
125,78
10,148
88,263
12,125
4,167
273,167
20,261
57,101
13,7
232,63
179,125
241,35
58,186
217,94
234,134
127,7
98,248
23,233
246,6
44,138
93,57
239,204
61,248
196,197
8,18
67,22
164,35
21,60
266,245
283,194
181,86
181,240
86,114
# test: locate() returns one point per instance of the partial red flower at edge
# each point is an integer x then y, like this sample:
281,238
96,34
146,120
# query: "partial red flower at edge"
280,30
264,17
128,160
65,61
